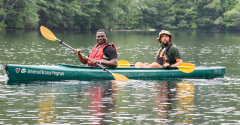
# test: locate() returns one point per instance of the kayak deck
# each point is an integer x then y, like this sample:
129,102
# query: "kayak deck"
74,72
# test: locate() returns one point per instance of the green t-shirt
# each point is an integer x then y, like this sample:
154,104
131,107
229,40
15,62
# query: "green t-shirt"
173,53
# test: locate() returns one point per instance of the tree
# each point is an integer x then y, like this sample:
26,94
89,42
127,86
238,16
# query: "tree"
229,4
84,18
219,22
18,14
232,17
51,13
133,16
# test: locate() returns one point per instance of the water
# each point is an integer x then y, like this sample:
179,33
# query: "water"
187,101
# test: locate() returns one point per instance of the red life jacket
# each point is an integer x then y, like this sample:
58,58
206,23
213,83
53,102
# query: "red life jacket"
97,52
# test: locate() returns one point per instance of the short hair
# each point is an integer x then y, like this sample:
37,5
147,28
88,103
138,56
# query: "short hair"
102,30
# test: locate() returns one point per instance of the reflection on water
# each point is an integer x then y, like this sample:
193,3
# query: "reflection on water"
185,98
115,102
162,99
46,107
3,75
175,100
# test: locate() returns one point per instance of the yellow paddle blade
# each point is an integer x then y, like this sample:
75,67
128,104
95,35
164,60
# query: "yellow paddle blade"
186,67
120,77
47,33
123,63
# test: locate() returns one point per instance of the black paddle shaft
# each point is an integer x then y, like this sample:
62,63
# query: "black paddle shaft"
61,42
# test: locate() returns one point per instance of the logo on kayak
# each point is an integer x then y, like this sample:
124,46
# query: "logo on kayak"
17,70
23,71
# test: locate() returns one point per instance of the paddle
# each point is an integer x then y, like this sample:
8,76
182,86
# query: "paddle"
124,63
50,36
184,67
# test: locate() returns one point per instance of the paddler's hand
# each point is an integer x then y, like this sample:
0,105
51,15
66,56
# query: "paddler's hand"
95,61
77,51
166,65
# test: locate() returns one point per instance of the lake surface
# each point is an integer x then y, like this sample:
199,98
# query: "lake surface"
183,101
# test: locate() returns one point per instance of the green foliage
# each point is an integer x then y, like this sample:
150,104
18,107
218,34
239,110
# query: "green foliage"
204,22
3,25
121,14
193,25
30,14
51,13
19,14
219,21
133,16
217,5
229,4
232,17
183,24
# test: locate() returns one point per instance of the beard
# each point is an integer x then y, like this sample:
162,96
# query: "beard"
165,44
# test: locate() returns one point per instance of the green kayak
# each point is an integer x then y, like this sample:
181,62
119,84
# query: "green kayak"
73,72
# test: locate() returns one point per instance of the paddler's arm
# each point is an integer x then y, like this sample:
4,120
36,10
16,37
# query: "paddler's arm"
83,60
177,56
111,63
178,62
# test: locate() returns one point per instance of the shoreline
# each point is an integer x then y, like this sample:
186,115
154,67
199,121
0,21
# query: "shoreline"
151,30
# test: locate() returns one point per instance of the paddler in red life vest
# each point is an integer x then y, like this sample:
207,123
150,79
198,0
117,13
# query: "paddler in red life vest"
102,53
167,56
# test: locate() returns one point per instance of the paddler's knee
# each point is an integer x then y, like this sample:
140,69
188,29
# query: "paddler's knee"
138,65
155,65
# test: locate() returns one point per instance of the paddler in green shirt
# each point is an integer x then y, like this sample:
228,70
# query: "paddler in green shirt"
167,56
